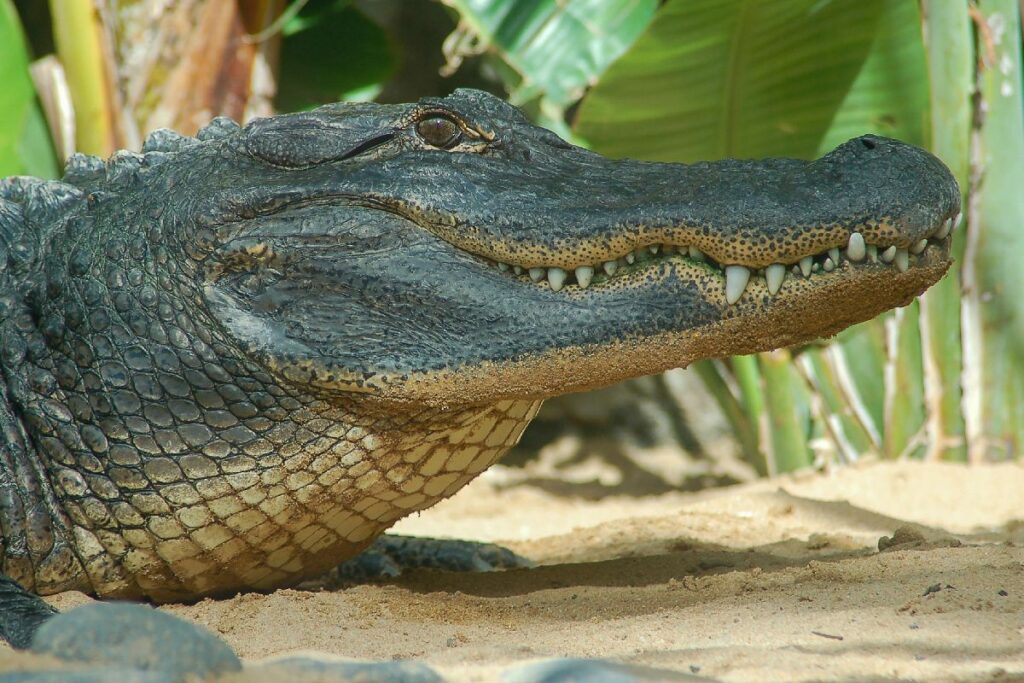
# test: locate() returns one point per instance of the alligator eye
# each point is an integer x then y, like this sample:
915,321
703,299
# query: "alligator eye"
439,131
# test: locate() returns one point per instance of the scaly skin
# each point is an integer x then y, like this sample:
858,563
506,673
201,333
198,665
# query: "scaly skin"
231,362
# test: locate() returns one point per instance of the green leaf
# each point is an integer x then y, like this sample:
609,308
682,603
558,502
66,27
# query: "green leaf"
25,146
732,78
332,52
890,94
558,47
727,394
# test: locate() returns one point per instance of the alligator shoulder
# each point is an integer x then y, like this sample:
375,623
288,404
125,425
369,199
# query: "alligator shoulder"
230,362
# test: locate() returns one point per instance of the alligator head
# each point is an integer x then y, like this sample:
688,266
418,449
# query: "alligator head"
449,252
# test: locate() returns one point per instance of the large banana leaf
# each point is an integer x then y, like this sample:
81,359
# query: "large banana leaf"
742,78
24,140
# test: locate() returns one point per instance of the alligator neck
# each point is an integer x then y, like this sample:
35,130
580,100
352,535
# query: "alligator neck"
238,484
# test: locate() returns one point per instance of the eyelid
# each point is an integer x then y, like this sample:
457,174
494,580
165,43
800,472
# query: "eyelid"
425,114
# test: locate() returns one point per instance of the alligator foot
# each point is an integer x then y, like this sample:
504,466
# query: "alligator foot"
389,556
21,613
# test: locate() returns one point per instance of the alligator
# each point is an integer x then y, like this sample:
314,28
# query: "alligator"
230,362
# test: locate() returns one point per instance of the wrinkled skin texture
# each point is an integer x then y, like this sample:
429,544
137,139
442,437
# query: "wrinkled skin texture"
231,362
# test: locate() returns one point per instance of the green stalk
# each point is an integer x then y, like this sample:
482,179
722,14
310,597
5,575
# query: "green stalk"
748,377
950,51
841,420
993,319
80,39
858,361
786,418
904,386
713,374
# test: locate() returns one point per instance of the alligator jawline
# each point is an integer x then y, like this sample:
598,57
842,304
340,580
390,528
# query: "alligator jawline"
856,253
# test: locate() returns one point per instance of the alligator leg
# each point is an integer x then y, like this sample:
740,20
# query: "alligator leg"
390,555
21,613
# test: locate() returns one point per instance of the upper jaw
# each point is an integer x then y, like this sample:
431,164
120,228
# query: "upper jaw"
580,217
862,248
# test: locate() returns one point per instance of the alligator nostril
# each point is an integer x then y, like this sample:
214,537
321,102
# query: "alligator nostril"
868,142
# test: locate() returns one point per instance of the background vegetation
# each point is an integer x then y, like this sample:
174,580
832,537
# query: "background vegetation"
678,80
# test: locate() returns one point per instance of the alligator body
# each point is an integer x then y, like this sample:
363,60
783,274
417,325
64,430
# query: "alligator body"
231,362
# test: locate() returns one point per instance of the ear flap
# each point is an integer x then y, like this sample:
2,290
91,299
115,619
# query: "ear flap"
311,138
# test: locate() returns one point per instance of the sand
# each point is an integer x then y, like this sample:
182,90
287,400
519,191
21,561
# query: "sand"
775,580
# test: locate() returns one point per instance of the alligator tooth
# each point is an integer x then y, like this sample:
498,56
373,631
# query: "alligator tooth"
696,254
736,278
834,255
556,278
774,275
805,265
829,265
873,253
610,267
503,267
584,274
795,270
919,246
902,260
944,229
856,249
889,254
537,274
654,248
630,257
956,221
518,270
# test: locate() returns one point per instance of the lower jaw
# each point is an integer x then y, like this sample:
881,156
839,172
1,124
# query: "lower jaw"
804,310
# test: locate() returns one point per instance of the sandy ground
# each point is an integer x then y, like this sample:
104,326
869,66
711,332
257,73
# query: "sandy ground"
778,580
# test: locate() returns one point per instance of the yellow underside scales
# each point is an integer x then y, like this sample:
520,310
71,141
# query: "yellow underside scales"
295,511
